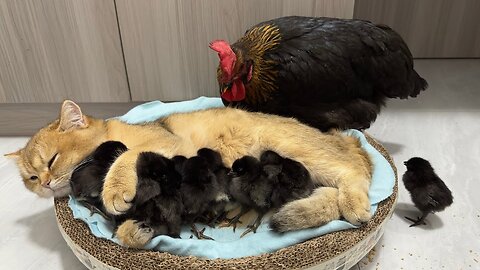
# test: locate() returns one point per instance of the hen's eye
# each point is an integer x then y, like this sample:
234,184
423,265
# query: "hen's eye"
52,160
33,178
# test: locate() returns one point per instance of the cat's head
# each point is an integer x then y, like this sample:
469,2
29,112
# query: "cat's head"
50,156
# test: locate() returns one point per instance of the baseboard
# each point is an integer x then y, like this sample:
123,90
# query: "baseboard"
26,118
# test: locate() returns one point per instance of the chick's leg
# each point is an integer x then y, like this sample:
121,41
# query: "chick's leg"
199,233
254,226
93,209
236,219
217,218
418,221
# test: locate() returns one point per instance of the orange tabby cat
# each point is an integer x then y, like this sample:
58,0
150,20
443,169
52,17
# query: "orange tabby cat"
336,162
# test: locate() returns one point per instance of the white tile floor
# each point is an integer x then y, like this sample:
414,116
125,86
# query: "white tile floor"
442,125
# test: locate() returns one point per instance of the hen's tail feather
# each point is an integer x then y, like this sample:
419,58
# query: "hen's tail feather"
420,85
409,88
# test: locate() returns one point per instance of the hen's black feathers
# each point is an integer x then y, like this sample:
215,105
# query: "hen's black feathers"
334,73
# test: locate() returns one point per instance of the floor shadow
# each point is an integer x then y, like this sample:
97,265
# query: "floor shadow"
391,147
403,210
44,232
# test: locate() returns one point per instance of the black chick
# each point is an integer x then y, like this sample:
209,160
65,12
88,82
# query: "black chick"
252,185
158,203
199,190
293,182
270,157
222,198
428,192
179,161
87,179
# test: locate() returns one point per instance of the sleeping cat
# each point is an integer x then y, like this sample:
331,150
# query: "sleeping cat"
335,161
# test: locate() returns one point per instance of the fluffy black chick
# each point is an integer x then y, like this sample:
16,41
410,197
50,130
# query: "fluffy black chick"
158,203
199,190
292,183
222,198
87,179
428,192
251,185
179,161
198,184
271,157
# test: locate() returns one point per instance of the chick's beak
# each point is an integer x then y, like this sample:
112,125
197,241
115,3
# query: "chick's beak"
231,174
405,163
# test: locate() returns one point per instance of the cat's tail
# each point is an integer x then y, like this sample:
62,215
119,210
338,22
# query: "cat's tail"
319,208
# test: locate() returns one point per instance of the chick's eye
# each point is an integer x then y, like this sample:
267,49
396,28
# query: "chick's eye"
33,178
52,160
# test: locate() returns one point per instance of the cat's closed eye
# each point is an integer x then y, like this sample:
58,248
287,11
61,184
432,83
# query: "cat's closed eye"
33,178
50,163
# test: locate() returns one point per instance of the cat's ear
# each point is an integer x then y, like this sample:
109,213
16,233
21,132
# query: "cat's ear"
71,116
15,154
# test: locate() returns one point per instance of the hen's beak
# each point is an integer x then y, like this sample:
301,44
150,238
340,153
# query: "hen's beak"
226,87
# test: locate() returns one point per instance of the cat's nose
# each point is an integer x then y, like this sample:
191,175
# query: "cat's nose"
46,183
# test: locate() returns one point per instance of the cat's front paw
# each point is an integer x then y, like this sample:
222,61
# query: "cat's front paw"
354,205
117,200
135,234
120,186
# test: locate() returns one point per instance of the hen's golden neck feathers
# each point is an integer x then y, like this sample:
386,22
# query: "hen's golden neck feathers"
253,46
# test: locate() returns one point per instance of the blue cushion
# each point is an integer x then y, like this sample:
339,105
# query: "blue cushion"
227,244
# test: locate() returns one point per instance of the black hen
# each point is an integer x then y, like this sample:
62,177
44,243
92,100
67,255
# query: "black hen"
428,192
87,179
326,72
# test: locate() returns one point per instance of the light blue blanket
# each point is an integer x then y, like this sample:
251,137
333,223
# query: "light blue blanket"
227,244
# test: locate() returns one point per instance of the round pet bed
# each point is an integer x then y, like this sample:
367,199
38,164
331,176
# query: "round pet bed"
337,250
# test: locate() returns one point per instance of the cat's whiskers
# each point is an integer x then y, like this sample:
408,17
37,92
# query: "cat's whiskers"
62,178
82,164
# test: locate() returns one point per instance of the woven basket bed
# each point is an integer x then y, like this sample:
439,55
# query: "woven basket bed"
337,250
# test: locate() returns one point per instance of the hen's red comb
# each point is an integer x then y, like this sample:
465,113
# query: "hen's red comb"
227,57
